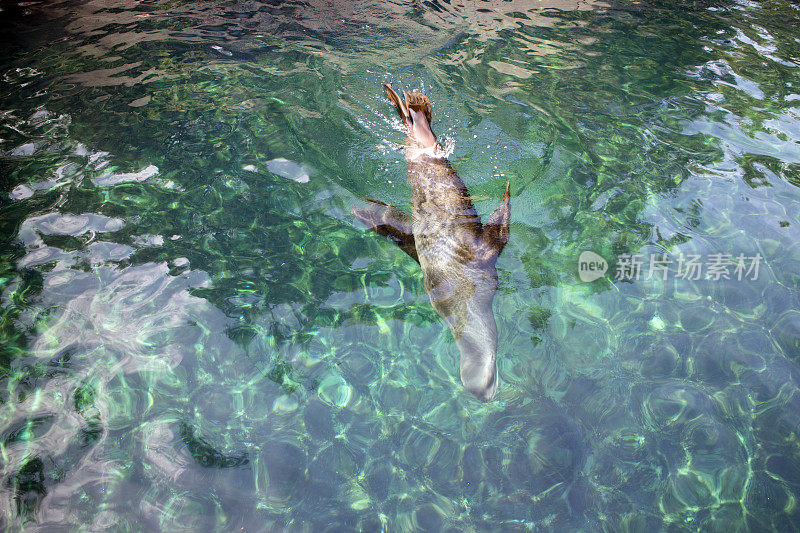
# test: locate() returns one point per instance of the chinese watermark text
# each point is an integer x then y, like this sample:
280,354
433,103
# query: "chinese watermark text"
714,267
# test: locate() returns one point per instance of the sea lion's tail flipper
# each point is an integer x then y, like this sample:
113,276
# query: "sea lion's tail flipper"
390,222
402,110
495,232
419,103
419,108
415,113
416,102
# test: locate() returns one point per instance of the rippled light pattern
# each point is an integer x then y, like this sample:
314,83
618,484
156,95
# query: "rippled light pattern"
196,335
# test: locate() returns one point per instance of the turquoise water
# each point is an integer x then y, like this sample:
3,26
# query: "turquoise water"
197,335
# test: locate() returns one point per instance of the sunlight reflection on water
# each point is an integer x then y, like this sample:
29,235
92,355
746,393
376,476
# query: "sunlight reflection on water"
196,334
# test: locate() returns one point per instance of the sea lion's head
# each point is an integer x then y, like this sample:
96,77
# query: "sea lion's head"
467,309
478,346
462,295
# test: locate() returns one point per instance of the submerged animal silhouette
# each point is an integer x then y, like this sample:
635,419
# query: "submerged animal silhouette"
445,236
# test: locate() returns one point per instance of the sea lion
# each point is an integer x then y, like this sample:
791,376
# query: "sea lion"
445,236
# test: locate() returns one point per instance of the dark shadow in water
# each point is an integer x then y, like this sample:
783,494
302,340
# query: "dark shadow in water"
29,488
207,455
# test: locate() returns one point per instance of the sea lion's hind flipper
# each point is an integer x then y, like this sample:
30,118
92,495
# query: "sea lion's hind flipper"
402,110
418,102
495,233
390,222
419,109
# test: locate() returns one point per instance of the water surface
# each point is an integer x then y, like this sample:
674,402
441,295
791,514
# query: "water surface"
196,334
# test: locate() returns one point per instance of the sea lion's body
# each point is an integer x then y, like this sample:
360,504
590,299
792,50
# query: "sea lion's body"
457,254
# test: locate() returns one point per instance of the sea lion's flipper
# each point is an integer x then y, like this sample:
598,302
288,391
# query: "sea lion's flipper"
390,222
418,102
495,233
419,109
415,113
402,110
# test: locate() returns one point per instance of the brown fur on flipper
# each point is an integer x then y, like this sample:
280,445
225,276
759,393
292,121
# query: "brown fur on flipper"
402,110
418,102
390,222
495,232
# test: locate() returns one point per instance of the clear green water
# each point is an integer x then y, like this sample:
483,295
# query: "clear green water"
196,335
